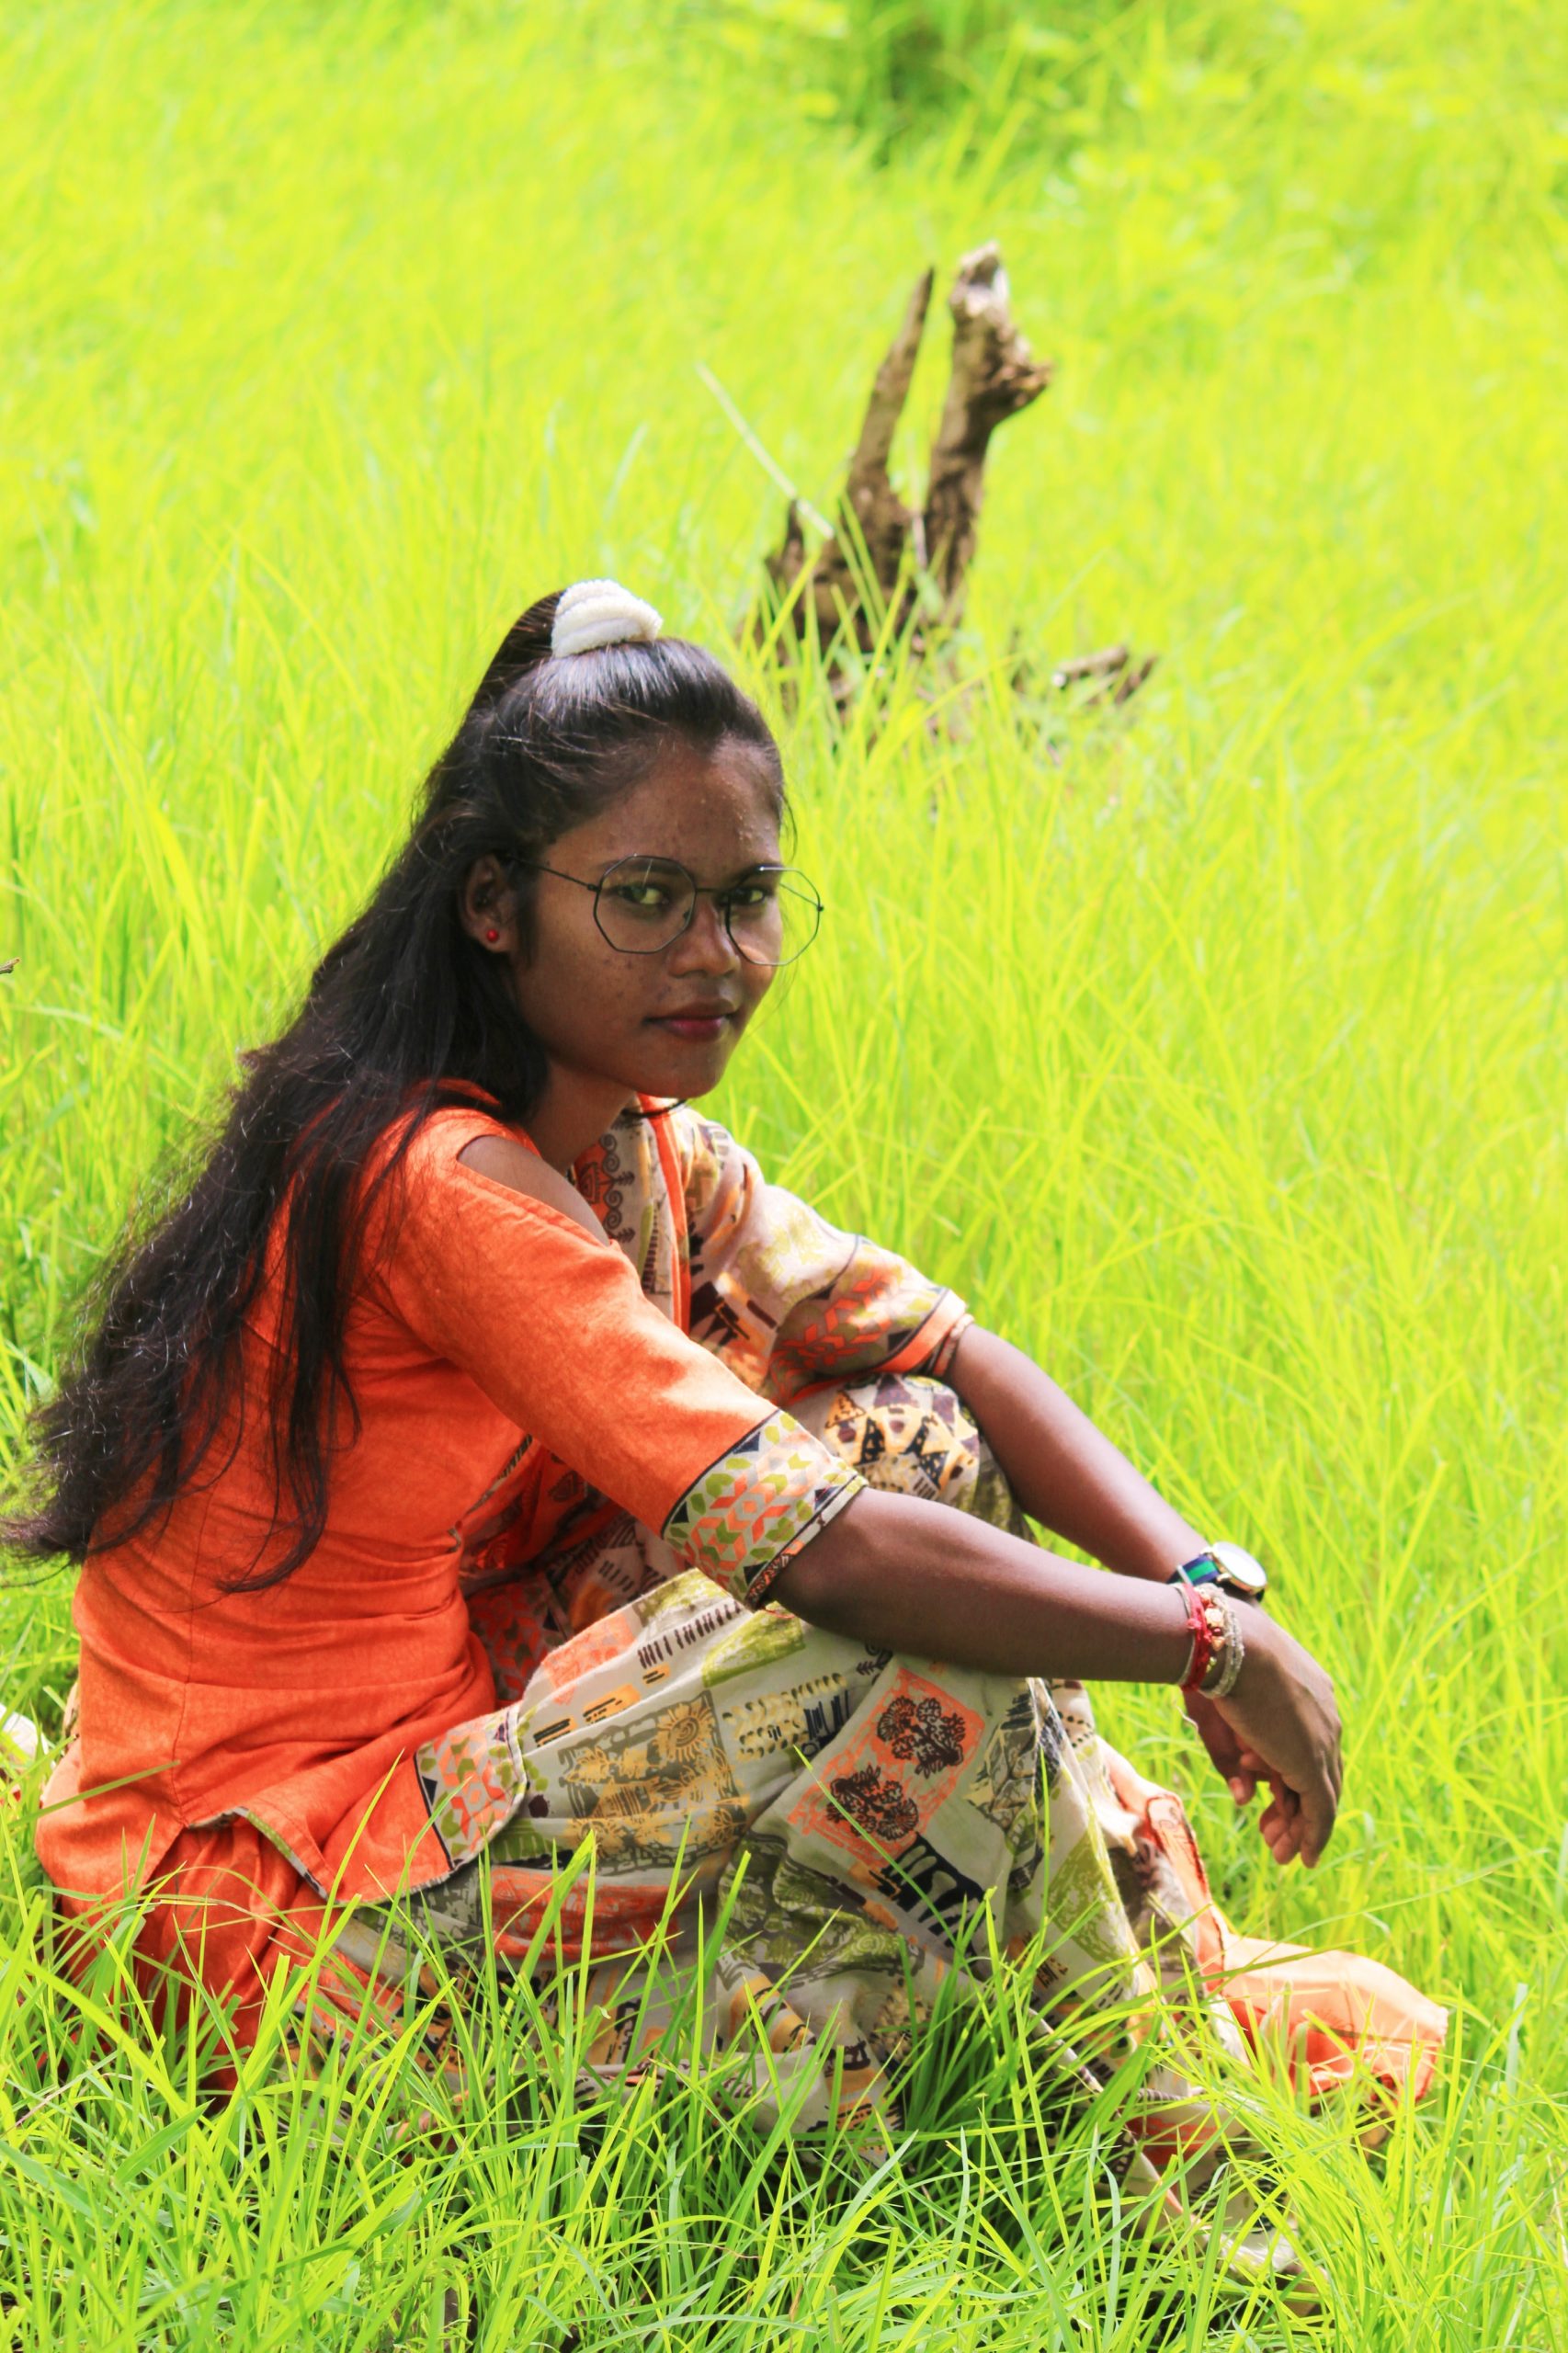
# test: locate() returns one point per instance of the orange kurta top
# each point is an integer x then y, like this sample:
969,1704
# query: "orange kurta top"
510,1371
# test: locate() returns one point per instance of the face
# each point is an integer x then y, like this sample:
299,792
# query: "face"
664,1023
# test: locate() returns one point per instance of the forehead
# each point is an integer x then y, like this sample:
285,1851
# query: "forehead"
708,808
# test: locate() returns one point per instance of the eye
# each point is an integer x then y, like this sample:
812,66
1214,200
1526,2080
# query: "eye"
642,898
747,898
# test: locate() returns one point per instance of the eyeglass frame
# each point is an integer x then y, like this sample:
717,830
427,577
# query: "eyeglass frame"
698,890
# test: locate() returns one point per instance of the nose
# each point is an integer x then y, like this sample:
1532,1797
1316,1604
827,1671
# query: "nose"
705,945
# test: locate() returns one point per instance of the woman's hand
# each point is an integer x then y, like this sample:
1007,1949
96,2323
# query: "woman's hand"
1237,1766
1284,1725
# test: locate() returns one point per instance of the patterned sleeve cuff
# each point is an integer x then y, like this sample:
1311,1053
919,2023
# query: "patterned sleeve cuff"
939,1363
751,1512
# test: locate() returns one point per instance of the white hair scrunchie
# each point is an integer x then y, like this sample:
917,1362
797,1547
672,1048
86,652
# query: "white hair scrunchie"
591,613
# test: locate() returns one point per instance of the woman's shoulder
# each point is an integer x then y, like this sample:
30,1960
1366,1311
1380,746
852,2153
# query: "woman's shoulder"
419,1153
506,1159
466,1187
442,1133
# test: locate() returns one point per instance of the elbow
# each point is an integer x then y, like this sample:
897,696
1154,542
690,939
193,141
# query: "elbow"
802,1590
830,1581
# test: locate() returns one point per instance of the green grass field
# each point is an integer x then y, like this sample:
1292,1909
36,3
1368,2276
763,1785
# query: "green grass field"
1218,1057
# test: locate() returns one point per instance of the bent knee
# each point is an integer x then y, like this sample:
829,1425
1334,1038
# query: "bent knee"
911,1436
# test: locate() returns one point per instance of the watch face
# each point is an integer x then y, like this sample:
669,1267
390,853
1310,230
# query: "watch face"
1241,1573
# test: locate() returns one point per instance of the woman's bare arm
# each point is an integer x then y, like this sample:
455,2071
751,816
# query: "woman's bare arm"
902,1575
1064,1471
899,1573
1070,1478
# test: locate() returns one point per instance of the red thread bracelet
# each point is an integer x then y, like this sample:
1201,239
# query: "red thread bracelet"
1205,1634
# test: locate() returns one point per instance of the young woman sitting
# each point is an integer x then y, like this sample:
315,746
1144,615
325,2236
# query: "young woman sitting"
482,1459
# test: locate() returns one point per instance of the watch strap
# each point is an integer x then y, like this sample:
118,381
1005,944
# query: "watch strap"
1202,1569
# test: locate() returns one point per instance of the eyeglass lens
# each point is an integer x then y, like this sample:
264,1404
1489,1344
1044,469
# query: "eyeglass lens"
644,902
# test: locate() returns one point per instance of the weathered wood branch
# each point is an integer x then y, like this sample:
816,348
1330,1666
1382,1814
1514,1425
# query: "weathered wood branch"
858,570
1120,677
883,556
886,570
995,375
881,515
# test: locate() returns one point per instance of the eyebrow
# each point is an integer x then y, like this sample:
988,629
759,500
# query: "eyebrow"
658,858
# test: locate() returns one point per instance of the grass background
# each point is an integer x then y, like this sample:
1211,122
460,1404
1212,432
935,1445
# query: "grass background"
1215,1053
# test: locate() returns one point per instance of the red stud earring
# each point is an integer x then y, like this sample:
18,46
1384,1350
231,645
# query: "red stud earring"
492,935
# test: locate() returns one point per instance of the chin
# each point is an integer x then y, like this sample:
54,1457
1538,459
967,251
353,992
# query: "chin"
687,1075
687,1086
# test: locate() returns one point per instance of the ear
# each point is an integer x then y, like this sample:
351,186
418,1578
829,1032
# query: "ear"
487,906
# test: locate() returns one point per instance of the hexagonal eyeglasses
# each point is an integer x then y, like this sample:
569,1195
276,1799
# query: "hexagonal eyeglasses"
642,905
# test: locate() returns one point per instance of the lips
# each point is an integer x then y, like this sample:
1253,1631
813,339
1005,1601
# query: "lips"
697,1022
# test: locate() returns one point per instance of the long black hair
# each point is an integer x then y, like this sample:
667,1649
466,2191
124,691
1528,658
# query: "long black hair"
405,1013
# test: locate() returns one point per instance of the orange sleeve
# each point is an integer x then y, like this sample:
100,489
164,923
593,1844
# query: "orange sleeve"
551,1322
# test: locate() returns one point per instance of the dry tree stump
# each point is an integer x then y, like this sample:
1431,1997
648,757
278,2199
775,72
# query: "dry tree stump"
892,576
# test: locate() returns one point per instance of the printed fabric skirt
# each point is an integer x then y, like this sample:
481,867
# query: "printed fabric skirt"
873,1829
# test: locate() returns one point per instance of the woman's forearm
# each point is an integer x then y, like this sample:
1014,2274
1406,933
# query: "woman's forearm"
1064,1471
899,1573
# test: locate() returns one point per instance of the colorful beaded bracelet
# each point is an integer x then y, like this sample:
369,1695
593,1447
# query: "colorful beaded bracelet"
1214,1662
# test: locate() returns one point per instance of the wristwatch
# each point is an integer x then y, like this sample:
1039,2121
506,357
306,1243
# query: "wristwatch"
1227,1565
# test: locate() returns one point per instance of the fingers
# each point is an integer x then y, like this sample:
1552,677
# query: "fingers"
1239,1777
1298,1821
1282,1846
1319,1805
1237,1769
1279,1825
